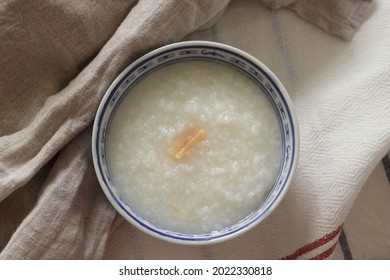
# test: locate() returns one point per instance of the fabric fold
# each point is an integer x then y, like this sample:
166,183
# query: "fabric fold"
72,217
61,116
340,18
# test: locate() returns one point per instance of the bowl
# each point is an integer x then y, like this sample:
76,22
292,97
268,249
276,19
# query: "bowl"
145,193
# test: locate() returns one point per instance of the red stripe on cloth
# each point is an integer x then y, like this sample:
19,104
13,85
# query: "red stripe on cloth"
315,244
325,254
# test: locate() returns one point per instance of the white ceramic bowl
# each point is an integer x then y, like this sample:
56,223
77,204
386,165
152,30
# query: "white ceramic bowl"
197,50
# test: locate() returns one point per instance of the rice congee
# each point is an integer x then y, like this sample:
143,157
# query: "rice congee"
194,147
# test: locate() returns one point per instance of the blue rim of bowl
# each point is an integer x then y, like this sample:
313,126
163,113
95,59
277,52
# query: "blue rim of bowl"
128,77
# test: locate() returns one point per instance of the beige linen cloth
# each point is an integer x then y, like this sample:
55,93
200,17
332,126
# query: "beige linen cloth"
57,58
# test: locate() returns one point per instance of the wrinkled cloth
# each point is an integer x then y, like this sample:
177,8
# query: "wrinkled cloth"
59,57
340,18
